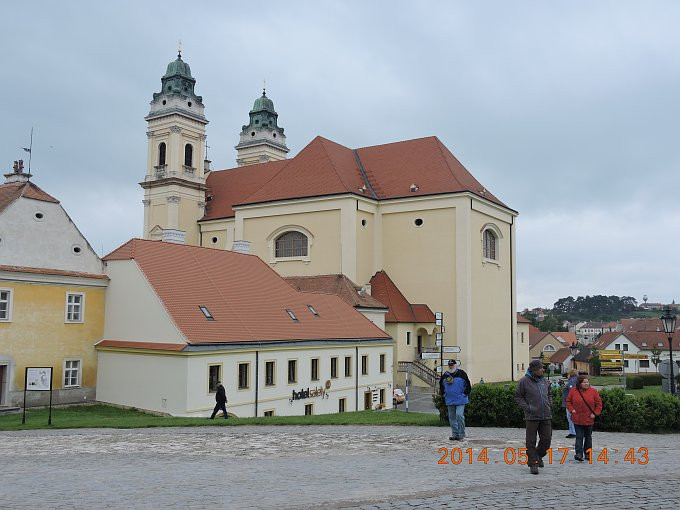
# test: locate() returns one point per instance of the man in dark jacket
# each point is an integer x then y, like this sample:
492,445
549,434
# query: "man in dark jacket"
221,400
455,387
533,395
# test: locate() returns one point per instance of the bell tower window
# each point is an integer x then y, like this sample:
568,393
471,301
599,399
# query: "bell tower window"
188,155
161,154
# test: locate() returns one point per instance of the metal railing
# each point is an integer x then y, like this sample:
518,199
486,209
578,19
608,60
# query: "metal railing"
421,371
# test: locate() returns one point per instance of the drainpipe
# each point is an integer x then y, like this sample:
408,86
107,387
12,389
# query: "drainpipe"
257,378
356,376
513,315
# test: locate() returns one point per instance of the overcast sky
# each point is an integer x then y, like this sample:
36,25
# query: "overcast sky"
568,111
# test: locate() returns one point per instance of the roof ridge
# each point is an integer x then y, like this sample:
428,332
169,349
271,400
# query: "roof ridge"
244,200
440,146
330,159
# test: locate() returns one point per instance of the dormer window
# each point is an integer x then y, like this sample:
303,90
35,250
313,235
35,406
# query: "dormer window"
206,312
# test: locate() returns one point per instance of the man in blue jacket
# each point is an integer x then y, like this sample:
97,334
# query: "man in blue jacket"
455,387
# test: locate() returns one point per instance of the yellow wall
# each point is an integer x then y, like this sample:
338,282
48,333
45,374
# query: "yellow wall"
38,335
324,226
365,256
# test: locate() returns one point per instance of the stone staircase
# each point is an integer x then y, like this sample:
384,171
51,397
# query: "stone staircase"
421,371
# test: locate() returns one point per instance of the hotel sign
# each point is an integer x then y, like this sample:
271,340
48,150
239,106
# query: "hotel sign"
308,393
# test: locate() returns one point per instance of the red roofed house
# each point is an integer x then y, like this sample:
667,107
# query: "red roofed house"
180,318
639,344
52,295
409,208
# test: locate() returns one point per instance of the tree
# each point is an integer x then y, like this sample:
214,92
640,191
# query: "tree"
656,357
594,360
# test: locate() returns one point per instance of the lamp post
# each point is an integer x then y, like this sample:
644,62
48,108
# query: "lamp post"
668,321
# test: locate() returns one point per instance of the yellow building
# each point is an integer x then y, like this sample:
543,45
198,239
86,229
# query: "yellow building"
52,294
408,208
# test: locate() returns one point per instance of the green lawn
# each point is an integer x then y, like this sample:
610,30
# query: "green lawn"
103,416
647,390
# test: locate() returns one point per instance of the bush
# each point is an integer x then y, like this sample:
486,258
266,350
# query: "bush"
494,406
651,379
634,382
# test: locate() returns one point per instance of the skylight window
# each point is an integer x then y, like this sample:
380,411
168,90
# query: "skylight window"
311,309
206,312
291,314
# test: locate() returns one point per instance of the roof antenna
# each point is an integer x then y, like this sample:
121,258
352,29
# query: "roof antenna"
29,149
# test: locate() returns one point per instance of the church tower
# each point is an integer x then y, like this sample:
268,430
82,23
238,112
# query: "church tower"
262,139
174,185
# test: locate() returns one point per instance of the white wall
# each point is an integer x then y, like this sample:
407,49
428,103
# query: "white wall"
133,311
44,243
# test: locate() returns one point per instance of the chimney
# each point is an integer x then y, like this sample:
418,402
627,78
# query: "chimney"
241,247
17,174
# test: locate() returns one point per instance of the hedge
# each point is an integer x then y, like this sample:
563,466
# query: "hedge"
634,382
651,379
494,406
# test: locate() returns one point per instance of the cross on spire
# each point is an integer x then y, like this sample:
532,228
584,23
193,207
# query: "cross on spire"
179,48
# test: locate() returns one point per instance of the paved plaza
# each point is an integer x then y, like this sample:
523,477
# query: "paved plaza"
287,467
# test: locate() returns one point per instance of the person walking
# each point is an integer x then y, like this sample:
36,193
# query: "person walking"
221,401
585,404
533,395
455,388
571,383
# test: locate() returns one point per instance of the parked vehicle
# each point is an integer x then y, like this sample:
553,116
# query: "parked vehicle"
398,396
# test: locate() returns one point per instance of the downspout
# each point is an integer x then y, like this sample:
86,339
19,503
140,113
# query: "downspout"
356,376
512,314
257,378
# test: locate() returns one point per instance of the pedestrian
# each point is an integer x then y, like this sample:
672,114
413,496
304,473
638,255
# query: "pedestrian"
455,388
585,404
221,401
571,383
533,395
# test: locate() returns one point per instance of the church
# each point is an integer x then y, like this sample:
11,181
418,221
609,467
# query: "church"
406,212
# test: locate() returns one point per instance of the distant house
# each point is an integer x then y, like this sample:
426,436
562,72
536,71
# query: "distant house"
524,327
546,343
640,343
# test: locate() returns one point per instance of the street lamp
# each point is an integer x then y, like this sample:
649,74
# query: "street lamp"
668,321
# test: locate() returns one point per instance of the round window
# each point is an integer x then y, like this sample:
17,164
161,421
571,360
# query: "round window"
164,101
189,103
363,223
39,216
252,134
214,240
418,222
77,250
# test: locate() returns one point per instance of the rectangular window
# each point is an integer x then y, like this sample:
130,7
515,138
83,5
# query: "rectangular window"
644,363
75,303
348,366
625,363
315,369
292,371
269,370
71,373
522,336
382,363
243,379
408,338
309,409
522,366
334,368
382,396
269,413
364,364
625,347
617,347
341,405
214,376
5,305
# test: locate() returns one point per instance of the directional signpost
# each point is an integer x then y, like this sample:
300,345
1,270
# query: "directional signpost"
451,349
430,355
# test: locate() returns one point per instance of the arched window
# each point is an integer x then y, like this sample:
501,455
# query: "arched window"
188,155
549,348
161,154
490,245
291,244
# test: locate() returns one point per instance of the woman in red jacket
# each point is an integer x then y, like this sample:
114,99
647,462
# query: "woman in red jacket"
584,404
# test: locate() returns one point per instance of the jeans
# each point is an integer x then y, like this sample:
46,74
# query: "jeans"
544,430
220,406
571,423
584,439
457,420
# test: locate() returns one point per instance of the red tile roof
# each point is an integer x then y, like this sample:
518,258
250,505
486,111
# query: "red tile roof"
58,272
568,337
337,284
522,319
247,298
10,192
650,339
535,336
561,355
400,310
141,345
326,168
